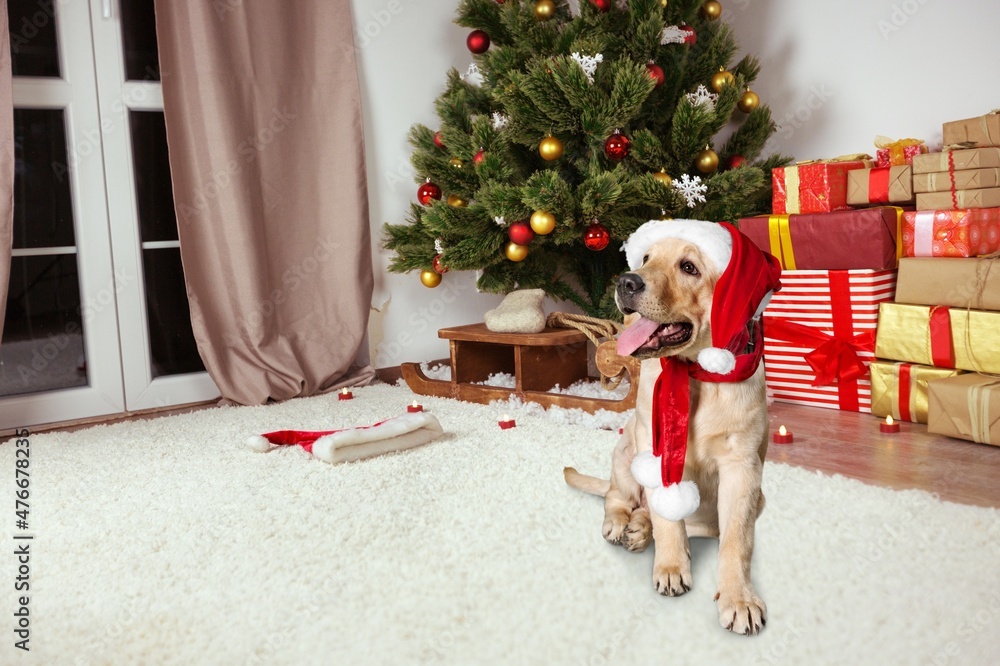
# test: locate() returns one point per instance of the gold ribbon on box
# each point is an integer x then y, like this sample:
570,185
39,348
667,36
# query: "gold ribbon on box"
979,411
792,181
780,238
896,148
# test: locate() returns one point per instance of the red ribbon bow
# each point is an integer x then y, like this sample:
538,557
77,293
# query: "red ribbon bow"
833,359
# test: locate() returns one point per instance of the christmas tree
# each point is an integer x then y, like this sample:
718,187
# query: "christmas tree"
568,131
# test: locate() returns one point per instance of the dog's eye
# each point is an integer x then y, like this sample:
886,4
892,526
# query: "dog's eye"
690,268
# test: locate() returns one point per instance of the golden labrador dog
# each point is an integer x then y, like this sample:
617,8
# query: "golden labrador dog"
673,287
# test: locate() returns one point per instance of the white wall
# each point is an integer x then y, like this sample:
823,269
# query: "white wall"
835,75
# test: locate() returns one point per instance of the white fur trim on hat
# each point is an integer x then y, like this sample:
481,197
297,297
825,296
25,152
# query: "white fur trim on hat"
258,443
675,502
646,470
720,361
710,237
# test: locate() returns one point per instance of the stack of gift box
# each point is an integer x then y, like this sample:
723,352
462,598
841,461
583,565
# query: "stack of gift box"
889,302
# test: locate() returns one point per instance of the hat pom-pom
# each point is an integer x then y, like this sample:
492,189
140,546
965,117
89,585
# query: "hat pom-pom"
719,361
675,502
259,443
646,470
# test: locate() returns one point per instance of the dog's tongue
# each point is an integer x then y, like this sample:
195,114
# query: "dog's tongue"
636,336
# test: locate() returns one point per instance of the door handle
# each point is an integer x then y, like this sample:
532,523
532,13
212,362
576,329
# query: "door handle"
106,9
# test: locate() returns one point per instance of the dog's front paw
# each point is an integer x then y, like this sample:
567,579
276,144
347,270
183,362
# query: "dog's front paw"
639,531
672,581
742,612
614,527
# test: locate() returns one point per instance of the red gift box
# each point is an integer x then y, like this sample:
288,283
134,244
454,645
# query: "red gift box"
972,232
815,187
884,157
819,336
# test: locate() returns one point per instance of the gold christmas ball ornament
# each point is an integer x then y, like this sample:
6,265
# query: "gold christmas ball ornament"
550,148
542,222
457,201
707,161
711,10
544,10
663,3
748,102
430,279
663,177
456,162
722,78
516,252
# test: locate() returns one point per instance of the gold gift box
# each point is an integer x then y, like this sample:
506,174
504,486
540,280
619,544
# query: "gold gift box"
904,334
966,406
886,394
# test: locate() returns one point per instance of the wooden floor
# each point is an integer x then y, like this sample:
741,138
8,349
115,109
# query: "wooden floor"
846,443
851,444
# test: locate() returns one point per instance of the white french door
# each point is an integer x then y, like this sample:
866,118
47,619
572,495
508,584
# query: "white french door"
97,315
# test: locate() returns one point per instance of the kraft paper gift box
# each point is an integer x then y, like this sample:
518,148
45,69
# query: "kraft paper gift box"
880,185
897,153
951,233
956,199
963,179
973,158
981,130
939,336
899,390
958,282
842,240
816,187
966,406
819,336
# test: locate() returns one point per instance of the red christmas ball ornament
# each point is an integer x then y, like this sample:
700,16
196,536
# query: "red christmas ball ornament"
478,41
477,159
428,192
691,37
438,140
656,73
617,147
521,233
601,5
438,267
596,237
735,162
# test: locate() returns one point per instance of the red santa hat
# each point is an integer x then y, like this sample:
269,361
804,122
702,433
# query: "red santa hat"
748,278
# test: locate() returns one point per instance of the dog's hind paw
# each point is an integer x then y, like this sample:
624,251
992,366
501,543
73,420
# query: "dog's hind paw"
744,614
639,531
614,529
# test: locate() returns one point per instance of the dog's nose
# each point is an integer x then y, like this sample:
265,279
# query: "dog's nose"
630,283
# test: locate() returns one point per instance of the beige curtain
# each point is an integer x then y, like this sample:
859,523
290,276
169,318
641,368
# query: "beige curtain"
266,147
6,162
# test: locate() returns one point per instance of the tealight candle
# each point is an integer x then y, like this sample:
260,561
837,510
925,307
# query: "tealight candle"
414,407
783,436
345,394
506,423
889,426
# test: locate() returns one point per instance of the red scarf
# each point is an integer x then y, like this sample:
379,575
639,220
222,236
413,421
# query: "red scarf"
672,400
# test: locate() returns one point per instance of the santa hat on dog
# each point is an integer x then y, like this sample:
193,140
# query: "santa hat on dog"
748,278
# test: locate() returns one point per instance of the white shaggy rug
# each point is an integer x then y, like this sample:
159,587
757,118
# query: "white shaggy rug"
168,542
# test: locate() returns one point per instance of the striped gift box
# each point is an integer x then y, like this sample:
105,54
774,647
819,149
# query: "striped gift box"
819,336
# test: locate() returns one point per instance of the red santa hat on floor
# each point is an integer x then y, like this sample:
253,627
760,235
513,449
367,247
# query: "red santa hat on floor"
748,277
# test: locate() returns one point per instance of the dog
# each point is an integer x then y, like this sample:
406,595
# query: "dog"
670,302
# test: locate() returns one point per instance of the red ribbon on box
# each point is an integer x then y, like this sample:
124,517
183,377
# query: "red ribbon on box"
834,358
942,354
904,391
878,185
951,177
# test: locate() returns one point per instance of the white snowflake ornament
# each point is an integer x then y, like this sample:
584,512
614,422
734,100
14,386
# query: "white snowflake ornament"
702,96
500,221
499,120
473,75
438,246
673,34
692,189
588,63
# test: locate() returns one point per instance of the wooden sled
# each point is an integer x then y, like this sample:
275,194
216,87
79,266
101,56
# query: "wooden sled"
538,361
